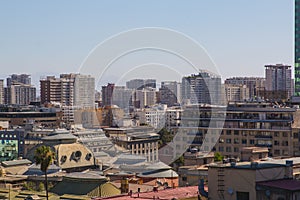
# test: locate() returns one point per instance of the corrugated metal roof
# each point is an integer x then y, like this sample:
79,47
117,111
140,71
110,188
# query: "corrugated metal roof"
16,162
159,174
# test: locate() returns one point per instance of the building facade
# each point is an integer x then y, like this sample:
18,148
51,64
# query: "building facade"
18,78
142,141
154,116
84,91
107,94
297,48
18,93
12,144
170,93
139,84
122,97
223,186
236,92
240,125
145,97
254,84
204,87
278,81
173,118
71,91
60,90
1,91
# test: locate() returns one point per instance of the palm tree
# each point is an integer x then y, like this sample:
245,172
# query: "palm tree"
44,156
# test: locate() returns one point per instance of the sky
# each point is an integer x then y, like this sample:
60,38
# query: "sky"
52,37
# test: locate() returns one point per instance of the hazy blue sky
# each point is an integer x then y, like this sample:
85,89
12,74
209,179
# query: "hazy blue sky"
241,36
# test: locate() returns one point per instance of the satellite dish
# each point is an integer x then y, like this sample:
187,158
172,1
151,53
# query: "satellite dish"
230,191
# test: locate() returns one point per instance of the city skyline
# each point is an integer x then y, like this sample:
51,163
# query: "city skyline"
48,39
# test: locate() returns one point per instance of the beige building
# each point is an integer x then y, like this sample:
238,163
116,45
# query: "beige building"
145,97
191,175
240,125
254,153
70,154
236,92
239,181
260,125
173,117
141,141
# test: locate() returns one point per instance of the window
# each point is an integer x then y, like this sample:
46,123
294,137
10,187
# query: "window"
221,149
244,141
228,141
251,141
276,134
276,143
285,143
236,132
184,178
228,149
236,141
284,134
236,149
242,195
228,132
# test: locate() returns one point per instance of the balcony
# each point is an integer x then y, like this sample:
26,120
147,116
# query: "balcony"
263,136
263,145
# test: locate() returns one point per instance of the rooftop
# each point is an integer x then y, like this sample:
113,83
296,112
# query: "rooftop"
16,162
59,136
159,174
248,165
177,193
285,184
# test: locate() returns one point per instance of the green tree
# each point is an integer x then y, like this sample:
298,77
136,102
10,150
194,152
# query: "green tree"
165,137
44,156
218,157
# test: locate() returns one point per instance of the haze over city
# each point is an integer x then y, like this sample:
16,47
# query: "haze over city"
52,38
154,100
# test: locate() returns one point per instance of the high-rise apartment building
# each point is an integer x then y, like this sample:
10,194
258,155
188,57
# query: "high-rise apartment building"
254,84
19,93
69,90
204,87
122,97
246,124
107,94
139,84
297,48
236,93
84,91
59,90
170,93
1,91
278,81
19,90
73,91
18,78
145,97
